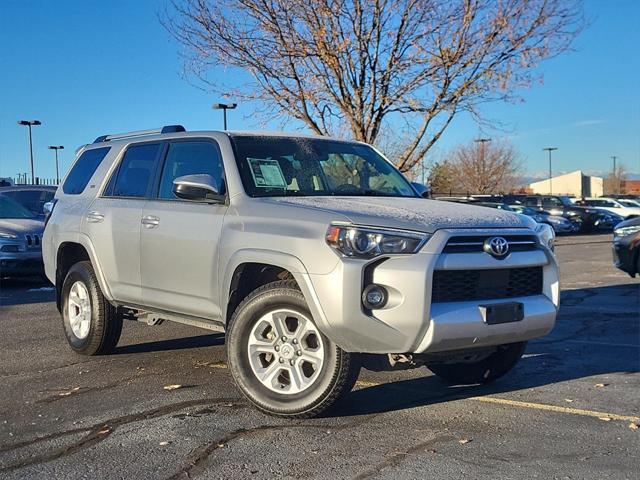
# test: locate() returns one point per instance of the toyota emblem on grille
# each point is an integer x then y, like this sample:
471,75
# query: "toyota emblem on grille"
496,246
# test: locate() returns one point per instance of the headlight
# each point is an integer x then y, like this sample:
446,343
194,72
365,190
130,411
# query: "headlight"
8,235
624,231
369,242
546,235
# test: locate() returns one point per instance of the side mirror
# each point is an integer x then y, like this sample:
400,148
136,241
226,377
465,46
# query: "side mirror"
47,208
421,189
202,187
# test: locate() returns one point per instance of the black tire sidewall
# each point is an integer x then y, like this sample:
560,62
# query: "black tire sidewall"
237,355
82,272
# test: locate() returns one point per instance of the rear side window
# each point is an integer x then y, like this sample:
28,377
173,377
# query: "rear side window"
190,158
83,170
135,173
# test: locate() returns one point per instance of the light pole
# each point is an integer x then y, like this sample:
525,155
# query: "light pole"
30,123
55,148
483,168
615,175
550,149
224,107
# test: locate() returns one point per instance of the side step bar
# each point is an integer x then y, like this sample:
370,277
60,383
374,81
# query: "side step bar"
156,317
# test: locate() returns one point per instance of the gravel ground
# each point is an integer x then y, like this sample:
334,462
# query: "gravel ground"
566,411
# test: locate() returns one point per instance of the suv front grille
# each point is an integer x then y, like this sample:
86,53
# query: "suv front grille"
472,285
474,243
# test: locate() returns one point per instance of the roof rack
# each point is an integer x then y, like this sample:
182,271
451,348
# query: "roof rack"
140,133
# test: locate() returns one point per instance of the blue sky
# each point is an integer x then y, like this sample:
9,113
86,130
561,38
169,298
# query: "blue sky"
85,68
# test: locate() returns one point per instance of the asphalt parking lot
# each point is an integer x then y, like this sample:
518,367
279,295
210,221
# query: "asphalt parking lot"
567,411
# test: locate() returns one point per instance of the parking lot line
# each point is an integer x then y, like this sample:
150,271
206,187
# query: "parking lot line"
606,344
535,406
555,408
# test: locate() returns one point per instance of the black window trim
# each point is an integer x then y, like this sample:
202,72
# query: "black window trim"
118,163
155,191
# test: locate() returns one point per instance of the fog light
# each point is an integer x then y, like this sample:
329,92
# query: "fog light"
374,296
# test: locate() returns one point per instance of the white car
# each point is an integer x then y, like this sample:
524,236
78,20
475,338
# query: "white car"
628,209
627,202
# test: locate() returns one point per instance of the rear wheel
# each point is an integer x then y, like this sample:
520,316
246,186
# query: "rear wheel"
91,324
280,360
486,370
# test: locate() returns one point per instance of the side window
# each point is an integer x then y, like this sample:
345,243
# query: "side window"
551,202
190,158
135,173
83,170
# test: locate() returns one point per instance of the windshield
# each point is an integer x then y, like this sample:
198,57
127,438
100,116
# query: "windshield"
629,203
11,209
32,200
290,166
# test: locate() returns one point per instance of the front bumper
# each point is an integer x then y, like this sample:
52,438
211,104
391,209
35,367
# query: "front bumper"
21,264
624,256
410,323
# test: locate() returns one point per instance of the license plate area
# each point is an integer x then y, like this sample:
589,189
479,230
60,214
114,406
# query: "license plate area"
497,313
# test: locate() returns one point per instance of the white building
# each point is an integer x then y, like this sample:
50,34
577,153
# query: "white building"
575,183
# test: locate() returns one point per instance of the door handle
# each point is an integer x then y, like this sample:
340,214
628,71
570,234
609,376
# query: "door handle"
150,221
95,217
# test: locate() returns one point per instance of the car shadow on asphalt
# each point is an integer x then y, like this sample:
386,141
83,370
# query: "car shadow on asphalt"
198,341
22,291
597,333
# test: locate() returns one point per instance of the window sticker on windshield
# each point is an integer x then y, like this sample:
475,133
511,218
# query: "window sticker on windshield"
266,173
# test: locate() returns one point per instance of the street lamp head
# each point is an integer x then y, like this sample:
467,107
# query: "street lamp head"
29,122
55,147
224,106
550,149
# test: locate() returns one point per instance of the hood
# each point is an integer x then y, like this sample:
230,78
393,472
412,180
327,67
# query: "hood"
411,213
21,225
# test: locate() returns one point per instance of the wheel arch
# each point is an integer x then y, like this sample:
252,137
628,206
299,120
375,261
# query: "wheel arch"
269,266
71,251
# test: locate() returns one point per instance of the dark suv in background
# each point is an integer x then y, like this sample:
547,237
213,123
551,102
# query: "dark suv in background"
586,218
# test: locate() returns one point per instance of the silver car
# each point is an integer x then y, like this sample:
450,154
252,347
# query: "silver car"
315,255
20,240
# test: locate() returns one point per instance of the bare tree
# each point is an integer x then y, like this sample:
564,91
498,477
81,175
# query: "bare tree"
482,168
614,183
348,67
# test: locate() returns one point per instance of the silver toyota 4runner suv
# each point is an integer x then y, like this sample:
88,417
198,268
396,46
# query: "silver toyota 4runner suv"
315,255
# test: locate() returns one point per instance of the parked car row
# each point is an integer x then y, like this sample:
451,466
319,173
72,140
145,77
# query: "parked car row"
564,214
22,216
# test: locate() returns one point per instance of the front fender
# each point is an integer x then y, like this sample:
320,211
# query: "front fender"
290,263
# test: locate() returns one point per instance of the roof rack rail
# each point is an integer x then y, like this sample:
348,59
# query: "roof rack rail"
140,133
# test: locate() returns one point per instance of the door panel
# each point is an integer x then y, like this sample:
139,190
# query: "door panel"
114,228
180,257
180,238
113,221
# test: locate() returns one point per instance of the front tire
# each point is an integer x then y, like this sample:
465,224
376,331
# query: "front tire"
91,324
484,371
280,360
